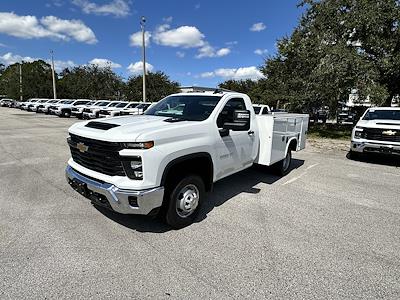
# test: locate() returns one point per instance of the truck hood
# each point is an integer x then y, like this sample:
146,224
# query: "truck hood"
137,128
385,124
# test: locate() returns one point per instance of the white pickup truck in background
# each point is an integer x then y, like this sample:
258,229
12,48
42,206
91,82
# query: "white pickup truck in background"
378,131
167,159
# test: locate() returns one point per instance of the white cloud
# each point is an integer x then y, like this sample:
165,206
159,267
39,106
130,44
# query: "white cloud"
180,54
235,73
3,45
207,75
137,68
10,58
197,6
117,8
231,43
209,51
104,63
70,28
258,27
184,36
136,39
261,51
29,27
168,19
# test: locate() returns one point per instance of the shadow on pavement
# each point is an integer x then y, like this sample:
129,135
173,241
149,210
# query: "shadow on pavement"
378,159
224,190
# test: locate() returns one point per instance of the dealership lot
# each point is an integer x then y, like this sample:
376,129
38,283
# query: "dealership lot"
330,229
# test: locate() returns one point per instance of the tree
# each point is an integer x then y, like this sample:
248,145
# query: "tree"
91,82
158,86
251,87
36,80
338,46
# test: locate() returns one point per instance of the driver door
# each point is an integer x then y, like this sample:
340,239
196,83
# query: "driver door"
234,148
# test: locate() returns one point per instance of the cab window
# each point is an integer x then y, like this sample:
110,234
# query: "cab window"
226,114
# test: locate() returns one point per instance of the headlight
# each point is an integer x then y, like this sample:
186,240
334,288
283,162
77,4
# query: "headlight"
359,132
139,145
134,168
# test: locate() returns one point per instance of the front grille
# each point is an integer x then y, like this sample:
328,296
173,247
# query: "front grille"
124,113
100,156
104,112
74,109
87,110
386,135
52,107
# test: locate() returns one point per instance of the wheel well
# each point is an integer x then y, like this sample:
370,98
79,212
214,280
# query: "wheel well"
293,145
199,164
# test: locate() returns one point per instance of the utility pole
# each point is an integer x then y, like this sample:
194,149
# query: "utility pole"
20,82
53,75
142,25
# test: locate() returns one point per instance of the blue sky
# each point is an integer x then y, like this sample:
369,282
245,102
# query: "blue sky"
200,42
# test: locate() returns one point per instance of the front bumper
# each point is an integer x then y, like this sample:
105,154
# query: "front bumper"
363,146
89,116
123,201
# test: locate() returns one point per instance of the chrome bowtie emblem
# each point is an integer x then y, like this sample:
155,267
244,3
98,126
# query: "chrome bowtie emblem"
82,147
389,132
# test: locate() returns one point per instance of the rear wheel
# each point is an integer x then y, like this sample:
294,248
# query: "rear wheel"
282,167
184,201
66,114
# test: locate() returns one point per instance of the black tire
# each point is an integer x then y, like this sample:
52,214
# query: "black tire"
174,215
283,167
65,114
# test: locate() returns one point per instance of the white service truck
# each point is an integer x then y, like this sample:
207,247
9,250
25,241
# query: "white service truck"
167,159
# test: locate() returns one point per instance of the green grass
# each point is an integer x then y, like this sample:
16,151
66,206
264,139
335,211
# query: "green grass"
330,131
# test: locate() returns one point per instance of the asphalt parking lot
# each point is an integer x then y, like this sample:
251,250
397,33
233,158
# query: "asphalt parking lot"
328,230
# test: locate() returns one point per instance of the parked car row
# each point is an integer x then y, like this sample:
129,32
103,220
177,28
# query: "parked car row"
79,108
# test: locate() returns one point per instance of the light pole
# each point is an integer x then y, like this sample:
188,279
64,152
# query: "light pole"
53,75
20,82
142,25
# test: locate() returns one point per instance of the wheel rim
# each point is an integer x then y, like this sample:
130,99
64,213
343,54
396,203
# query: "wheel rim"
286,162
187,200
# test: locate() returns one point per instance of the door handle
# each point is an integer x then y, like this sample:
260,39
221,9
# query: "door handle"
251,132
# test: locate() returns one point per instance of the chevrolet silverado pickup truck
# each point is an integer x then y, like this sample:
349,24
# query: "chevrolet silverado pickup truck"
65,110
136,109
378,131
113,111
163,162
77,111
93,112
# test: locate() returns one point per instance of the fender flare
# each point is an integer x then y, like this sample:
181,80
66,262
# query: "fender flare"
289,142
183,158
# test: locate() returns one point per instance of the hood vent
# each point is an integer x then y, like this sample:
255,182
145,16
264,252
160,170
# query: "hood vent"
101,125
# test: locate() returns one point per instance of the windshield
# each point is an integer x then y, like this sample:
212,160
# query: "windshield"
121,105
42,101
53,101
113,104
104,103
374,114
191,108
143,106
133,105
67,102
257,109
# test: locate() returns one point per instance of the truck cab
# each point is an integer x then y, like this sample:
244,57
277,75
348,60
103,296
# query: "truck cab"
174,153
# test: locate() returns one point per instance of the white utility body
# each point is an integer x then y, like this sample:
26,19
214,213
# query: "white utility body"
174,153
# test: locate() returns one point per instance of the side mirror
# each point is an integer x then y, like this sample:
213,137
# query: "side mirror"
241,121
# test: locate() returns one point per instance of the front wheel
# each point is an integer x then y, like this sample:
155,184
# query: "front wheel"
184,201
283,166
65,114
